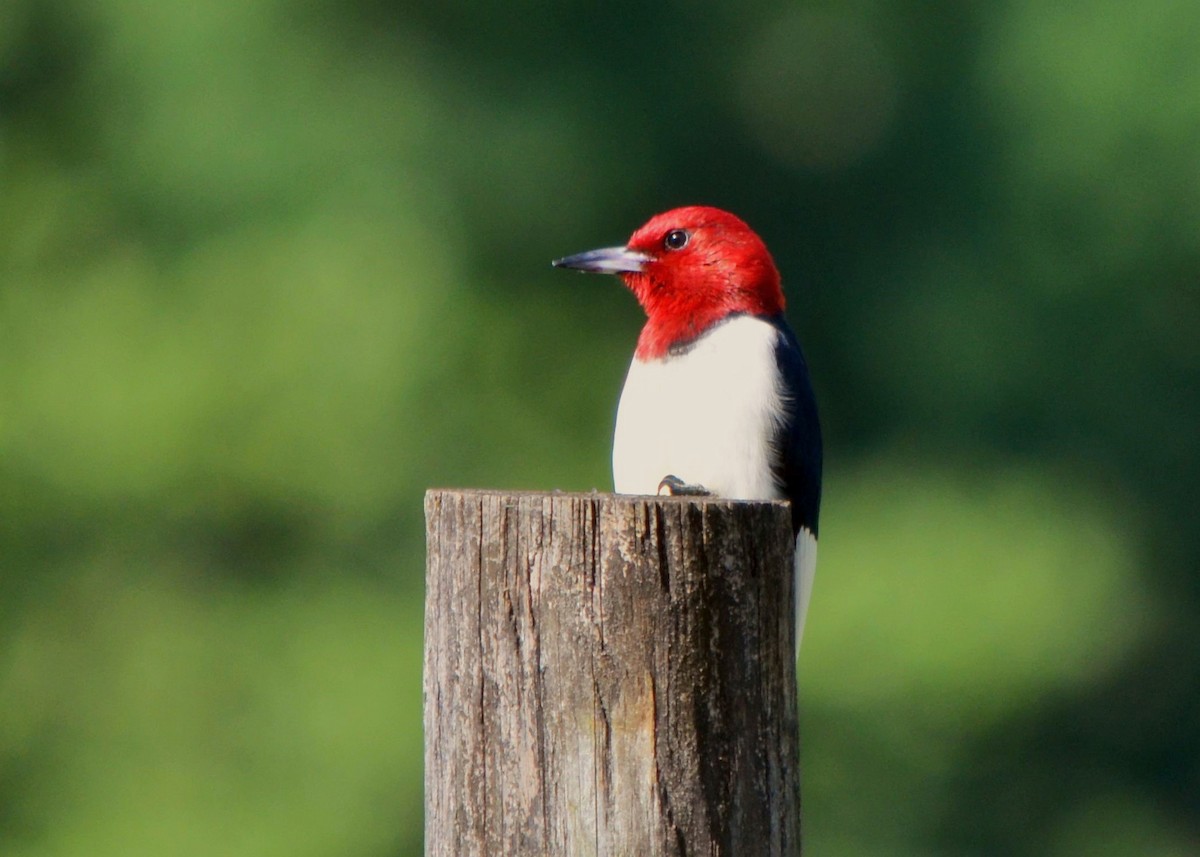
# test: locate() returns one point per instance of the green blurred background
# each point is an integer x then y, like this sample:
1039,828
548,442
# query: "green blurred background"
270,268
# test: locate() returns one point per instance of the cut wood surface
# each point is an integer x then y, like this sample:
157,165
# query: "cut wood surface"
609,675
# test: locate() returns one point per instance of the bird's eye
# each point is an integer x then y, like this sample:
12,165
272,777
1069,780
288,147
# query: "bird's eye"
677,239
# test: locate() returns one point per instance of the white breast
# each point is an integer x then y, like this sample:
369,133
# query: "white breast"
706,416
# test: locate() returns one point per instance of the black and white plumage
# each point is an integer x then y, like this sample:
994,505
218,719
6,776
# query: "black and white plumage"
718,396
733,412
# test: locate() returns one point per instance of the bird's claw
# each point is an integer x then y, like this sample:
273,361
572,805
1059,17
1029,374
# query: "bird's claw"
673,486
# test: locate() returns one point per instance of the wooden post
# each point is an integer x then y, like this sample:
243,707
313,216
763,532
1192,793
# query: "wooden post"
609,675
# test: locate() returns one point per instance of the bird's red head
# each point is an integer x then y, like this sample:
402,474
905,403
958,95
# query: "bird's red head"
689,268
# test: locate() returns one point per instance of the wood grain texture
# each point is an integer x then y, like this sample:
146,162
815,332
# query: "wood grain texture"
609,675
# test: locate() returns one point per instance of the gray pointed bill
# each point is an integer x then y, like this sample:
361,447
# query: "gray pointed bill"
607,260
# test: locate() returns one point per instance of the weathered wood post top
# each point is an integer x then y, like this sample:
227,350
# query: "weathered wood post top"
609,675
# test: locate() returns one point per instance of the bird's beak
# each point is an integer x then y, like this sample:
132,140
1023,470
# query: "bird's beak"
609,260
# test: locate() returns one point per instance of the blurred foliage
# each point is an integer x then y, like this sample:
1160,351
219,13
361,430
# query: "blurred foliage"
269,269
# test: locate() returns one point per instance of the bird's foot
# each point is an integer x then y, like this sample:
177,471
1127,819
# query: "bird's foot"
673,486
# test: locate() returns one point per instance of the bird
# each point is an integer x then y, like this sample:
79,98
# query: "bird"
718,399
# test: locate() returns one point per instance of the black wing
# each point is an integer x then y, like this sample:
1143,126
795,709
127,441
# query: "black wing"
798,467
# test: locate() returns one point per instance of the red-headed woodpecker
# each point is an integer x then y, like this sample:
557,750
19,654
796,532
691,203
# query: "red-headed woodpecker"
718,398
